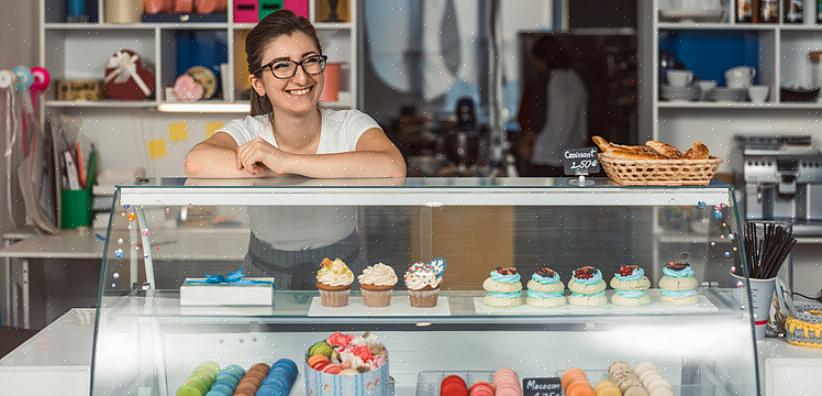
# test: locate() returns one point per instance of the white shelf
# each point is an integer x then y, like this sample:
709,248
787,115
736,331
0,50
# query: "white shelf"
332,25
134,26
801,27
102,104
740,105
716,26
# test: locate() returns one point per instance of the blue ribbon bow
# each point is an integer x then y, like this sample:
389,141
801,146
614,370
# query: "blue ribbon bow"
232,278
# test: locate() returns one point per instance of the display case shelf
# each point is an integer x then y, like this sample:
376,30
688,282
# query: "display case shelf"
295,307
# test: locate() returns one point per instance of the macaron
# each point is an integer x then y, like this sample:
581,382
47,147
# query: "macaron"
635,391
572,375
189,390
223,388
481,388
218,393
453,385
320,348
236,370
313,361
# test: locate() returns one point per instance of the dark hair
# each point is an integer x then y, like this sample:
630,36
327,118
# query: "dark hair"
550,51
283,22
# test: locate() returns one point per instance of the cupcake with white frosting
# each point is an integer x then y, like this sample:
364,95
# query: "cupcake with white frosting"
334,281
376,283
423,282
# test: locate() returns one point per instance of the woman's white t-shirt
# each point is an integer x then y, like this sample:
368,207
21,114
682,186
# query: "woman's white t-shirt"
300,228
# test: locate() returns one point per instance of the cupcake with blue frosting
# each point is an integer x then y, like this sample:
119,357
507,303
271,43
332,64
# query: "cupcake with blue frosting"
630,286
678,284
587,288
503,288
545,289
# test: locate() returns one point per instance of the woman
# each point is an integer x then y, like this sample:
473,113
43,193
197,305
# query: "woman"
287,133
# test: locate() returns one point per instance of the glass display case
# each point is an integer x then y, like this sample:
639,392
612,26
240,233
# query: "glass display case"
167,234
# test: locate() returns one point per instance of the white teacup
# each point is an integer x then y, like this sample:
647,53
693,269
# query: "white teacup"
758,93
680,78
740,76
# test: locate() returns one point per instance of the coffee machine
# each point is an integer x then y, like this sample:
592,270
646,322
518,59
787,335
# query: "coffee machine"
780,178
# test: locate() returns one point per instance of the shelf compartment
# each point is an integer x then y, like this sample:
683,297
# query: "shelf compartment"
709,53
183,48
795,66
96,46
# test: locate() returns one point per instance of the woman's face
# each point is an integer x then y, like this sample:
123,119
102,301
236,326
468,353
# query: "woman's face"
298,94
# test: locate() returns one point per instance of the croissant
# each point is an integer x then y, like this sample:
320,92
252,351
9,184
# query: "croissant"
697,151
664,149
606,146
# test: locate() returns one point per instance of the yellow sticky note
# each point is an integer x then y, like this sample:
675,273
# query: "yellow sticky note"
177,132
157,148
212,128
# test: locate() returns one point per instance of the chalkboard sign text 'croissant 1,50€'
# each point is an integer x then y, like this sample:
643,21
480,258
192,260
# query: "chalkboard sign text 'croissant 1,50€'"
581,161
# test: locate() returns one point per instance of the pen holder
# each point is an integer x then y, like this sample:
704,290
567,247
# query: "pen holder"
75,208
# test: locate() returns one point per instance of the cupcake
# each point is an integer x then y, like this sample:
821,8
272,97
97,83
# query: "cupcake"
545,289
503,288
334,281
587,288
376,283
423,283
630,286
678,284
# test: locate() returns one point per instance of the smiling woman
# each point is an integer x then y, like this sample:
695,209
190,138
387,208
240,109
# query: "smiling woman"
287,132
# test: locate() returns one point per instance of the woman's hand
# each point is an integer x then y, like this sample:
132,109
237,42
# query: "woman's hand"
260,157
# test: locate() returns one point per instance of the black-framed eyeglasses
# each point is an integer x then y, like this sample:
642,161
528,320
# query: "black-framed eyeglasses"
282,69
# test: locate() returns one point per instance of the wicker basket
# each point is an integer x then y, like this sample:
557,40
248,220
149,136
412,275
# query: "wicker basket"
668,172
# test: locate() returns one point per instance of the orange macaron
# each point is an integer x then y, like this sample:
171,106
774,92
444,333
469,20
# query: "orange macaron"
572,375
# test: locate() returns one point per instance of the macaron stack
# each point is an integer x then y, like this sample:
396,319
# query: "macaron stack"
280,379
628,381
652,380
575,383
200,380
506,383
252,380
607,388
227,380
481,388
453,385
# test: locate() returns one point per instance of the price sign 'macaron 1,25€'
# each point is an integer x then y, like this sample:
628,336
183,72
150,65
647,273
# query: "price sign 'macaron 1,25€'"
547,386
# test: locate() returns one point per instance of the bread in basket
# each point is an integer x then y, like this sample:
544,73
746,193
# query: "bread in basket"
657,164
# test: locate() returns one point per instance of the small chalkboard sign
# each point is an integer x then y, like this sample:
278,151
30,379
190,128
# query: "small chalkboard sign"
548,386
581,161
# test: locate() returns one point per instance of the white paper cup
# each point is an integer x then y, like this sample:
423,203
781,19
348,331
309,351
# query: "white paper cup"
761,297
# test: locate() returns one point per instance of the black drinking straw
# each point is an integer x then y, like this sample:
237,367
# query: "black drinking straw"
767,251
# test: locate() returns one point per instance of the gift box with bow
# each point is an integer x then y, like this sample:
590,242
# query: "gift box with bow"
127,77
234,288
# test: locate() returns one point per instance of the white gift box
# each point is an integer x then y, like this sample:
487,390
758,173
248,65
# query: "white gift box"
195,291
